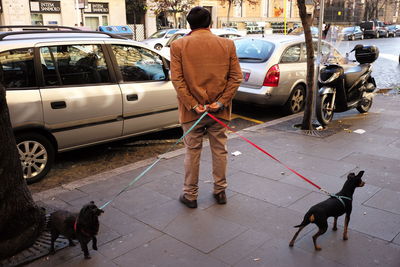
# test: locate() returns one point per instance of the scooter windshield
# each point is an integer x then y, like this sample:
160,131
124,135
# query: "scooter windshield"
333,50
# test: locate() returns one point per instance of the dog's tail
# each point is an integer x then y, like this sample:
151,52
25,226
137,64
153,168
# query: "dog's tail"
308,218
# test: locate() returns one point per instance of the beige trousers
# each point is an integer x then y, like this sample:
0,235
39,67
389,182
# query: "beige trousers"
193,143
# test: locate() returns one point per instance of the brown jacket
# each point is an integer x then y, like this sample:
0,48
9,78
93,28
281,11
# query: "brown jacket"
204,69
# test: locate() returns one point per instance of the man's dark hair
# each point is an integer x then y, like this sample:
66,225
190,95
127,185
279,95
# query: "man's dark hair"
199,17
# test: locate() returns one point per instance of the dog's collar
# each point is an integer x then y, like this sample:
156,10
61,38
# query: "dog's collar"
340,198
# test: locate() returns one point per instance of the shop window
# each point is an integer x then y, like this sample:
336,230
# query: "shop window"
138,64
92,23
18,68
74,64
37,19
104,20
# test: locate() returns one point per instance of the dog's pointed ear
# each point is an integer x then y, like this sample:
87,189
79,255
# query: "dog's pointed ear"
360,174
92,202
351,175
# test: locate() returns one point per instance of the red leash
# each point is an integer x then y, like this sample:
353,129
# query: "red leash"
265,152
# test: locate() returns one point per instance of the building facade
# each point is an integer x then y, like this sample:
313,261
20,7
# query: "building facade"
90,14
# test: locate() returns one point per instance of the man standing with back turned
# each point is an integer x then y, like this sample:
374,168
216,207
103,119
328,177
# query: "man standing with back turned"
206,75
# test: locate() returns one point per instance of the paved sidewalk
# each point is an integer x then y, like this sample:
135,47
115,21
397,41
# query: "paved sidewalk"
147,226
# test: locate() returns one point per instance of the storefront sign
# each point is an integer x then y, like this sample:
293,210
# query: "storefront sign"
99,8
45,6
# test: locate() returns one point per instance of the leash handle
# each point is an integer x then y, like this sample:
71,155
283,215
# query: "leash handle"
137,178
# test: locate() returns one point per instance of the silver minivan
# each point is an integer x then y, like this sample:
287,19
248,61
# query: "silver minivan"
70,89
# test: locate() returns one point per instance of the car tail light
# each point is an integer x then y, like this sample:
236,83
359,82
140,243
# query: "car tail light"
272,76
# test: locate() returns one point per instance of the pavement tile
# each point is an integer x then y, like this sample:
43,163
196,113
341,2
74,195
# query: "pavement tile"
395,144
397,240
379,171
359,250
138,200
166,251
118,221
278,254
385,199
139,235
157,172
71,195
97,260
259,216
191,228
171,186
331,183
376,162
280,194
374,222
106,234
319,165
239,247
268,168
161,216
56,203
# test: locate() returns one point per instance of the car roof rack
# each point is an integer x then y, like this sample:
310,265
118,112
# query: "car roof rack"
33,29
38,27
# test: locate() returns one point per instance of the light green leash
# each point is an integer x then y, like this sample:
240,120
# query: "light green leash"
154,163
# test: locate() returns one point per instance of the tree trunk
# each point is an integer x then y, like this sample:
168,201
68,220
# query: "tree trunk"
307,124
229,12
366,11
21,220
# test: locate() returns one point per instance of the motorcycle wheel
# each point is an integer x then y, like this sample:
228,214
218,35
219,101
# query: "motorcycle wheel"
323,115
364,108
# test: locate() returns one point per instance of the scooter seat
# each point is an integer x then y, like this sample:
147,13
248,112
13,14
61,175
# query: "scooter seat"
352,74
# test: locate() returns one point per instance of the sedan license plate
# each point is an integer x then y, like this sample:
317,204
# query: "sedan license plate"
246,76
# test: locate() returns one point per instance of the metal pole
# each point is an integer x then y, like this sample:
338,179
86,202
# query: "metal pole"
318,63
285,18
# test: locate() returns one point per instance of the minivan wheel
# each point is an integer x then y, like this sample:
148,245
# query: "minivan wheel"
296,100
36,154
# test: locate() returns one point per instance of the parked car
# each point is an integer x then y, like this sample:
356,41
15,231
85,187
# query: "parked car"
179,34
158,39
274,70
71,89
351,33
394,30
374,29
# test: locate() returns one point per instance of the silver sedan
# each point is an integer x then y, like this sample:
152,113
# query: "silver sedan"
274,70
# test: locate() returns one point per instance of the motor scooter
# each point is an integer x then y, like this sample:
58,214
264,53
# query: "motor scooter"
341,90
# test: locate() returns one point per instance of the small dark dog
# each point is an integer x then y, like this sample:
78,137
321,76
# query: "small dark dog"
83,226
334,206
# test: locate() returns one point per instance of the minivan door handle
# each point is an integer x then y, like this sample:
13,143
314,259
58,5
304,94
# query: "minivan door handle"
58,105
133,97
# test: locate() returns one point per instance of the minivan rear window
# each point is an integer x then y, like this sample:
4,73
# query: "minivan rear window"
253,50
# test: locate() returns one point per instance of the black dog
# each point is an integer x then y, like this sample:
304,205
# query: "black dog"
334,206
83,227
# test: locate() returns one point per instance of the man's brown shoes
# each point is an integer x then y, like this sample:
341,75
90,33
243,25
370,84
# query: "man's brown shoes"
188,203
220,198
